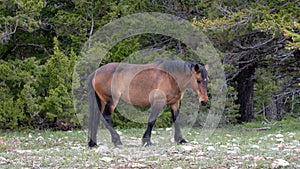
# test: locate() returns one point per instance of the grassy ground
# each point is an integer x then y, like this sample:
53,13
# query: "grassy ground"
249,146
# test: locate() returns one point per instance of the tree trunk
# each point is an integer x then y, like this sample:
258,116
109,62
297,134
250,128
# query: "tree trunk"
245,89
271,111
274,111
280,110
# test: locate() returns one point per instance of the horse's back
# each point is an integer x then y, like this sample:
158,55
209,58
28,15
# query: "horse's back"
134,83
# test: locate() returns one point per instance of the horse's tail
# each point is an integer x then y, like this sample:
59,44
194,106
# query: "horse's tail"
94,112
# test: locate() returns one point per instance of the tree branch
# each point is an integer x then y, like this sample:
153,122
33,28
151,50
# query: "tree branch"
259,45
7,33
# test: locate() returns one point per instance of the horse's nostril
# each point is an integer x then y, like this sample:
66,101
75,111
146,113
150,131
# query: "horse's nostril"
203,103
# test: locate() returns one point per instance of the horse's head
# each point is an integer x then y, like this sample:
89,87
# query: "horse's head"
199,82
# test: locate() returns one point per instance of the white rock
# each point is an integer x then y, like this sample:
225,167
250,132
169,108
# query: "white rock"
23,151
75,148
200,153
194,142
239,163
292,134
248,156
178,168
3,161
187,148
142,160
223,146
138,165
237,149
280,163
211,148
259,158
189,158
107,159
168,128
40,138
235,167
274,149
102,149
280,140
253,165
255,146
233,150
278,135
119,132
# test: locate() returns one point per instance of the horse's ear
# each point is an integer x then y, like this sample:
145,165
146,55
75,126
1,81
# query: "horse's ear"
206,67
197,68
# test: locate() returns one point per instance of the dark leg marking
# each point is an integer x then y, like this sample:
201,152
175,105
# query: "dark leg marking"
115,137
155,110
177,137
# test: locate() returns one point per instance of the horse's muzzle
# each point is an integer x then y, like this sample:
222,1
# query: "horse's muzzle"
203,103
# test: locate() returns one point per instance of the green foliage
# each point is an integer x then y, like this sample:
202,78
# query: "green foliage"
32,94
74,30
265,88
295,43
18,96
231,112
58,104
233,33
21,13
288,123
9,114
122,50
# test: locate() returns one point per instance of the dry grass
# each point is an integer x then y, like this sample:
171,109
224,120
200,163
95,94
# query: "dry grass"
230,147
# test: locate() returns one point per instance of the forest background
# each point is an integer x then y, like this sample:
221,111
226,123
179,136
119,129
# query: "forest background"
41,40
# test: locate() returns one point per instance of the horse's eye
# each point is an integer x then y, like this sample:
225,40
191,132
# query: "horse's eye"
198,81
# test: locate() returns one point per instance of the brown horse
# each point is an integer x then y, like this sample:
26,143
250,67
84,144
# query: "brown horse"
157,84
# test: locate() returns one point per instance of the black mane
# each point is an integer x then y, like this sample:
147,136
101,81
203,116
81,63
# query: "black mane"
178,65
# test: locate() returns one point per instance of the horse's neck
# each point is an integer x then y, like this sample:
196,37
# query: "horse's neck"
183,81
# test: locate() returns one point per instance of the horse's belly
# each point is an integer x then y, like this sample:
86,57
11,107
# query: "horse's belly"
137,96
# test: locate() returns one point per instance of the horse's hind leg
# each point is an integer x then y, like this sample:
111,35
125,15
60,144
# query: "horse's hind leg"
175,114
108,110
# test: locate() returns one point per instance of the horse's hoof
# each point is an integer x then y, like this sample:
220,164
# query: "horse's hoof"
182,141
146,142
92,143
118,143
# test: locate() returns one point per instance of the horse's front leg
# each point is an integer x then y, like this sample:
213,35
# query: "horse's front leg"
156,108
175,117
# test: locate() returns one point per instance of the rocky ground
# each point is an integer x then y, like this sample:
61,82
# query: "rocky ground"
230,147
